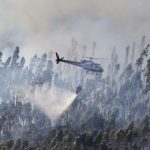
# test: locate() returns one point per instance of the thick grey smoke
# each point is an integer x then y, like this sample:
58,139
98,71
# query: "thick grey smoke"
49,25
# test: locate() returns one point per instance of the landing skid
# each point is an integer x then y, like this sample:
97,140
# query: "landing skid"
92,73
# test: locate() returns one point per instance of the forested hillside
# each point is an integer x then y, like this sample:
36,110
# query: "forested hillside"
110,111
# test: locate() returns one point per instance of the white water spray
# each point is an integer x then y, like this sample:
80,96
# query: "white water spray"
51,101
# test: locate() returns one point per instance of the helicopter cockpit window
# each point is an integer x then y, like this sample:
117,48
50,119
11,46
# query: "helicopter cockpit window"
95,65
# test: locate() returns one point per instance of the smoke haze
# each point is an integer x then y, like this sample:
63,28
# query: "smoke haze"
46,25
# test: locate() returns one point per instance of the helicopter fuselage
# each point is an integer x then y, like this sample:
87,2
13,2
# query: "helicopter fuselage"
85,64
92,67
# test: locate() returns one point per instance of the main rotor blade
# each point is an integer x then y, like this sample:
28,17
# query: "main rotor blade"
95,58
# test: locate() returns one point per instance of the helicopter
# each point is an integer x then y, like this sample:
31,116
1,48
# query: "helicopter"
88,65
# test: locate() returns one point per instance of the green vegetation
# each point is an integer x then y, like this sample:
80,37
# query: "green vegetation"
130,137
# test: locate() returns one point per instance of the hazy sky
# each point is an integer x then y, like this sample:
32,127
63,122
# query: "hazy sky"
44,25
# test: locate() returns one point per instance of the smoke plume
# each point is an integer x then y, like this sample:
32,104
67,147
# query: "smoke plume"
49,25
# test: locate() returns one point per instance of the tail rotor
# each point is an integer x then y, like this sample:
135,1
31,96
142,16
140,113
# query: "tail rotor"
58,59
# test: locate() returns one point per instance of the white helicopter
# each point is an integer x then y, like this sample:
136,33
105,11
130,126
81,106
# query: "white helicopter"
88,65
